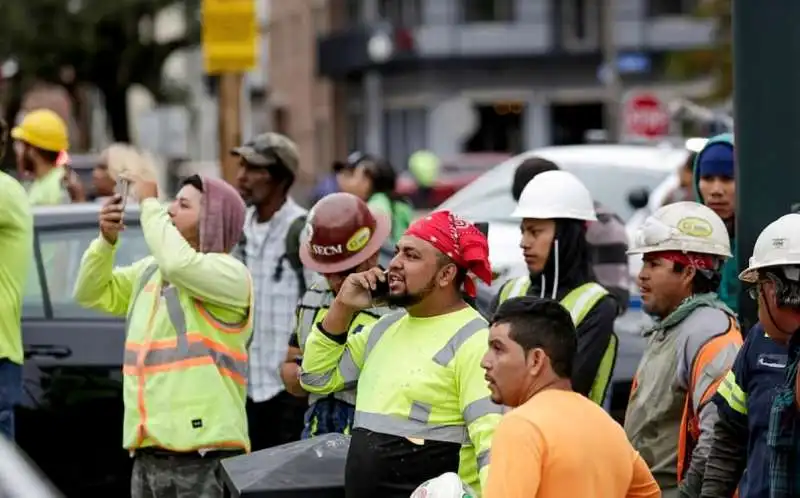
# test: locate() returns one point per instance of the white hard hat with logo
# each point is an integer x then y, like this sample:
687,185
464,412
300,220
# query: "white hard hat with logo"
777,245
685,227
555,194
447,485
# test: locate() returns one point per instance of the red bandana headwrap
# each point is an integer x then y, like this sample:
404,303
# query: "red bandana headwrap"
459,240
699,261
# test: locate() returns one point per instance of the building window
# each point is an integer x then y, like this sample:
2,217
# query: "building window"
658,8
406,13
404,132
487,10
352,10
580,23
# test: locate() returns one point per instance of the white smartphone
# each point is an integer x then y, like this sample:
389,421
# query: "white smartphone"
123,189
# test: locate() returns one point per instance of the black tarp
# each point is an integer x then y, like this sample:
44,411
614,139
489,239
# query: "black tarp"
313,468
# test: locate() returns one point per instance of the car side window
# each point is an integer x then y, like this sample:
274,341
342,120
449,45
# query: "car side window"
32,302
61,253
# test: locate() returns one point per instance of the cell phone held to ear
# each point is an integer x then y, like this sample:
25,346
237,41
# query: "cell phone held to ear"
381,291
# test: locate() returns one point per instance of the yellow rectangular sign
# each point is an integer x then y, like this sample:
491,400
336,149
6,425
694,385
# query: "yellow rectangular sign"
230,36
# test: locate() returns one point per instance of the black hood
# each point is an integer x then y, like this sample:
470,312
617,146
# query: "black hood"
571,251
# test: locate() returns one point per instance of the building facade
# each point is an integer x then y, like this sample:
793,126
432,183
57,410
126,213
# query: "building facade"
453,76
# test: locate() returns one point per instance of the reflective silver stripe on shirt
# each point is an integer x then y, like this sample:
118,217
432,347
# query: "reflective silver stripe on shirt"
480,408
396,426
448,352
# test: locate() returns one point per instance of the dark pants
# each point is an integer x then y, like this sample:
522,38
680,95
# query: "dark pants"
163,474
276,421
10,394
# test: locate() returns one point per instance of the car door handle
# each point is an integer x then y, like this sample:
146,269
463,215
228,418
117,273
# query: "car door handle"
53,351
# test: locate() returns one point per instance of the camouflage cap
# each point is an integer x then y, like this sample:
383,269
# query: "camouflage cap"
268,149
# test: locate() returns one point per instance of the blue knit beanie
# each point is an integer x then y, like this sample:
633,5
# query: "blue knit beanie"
716,160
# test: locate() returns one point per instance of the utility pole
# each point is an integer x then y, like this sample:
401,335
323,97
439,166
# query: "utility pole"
230,122
610,70
767,122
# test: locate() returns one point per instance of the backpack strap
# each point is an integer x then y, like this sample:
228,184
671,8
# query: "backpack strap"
292,254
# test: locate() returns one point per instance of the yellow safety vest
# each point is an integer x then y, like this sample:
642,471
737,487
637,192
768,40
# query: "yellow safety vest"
185,371
579,302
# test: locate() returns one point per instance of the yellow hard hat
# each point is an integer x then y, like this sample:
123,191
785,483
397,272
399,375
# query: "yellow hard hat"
44,129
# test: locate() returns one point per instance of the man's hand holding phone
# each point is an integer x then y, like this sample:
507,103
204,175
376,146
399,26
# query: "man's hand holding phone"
111,218
359,291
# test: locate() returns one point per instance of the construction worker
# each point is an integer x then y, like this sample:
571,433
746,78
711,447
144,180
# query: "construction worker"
375,181
16,256
422,407
344,237
554,208
739,454
606,238
690,349
189,322
40,139
774,273
540,448
715,186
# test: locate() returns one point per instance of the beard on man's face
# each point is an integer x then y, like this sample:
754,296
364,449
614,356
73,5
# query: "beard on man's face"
406,299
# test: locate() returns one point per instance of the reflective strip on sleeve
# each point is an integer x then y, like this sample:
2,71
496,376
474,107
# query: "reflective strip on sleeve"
184,351
481,407
347,366
733,395
483,459
712,371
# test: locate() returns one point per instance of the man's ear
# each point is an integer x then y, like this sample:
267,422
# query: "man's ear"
447,274
535,361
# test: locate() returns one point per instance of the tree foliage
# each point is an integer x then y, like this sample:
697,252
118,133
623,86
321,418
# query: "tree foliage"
108,43
716,61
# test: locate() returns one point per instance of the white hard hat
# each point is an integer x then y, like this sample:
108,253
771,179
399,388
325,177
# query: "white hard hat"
555,194
447,485
685,227
777,245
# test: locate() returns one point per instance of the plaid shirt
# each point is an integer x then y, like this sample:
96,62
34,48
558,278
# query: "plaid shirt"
784,422
276,295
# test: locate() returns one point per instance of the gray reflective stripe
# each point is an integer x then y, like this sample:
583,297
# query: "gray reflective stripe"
316,379
483,459
306,323
395,426
420,412
716,368
480,408
518,287
348,396
380,328
146,275
448,352
316,299
156,357
176,316
348,368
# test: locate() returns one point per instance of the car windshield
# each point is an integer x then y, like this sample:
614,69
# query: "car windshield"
61,252
489,197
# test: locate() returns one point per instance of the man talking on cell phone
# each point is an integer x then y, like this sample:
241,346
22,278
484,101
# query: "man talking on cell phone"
189,321
422,407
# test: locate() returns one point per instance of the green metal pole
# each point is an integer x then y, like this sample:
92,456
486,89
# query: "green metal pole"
766,50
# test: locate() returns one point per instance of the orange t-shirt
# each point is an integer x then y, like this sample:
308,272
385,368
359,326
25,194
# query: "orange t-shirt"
559,444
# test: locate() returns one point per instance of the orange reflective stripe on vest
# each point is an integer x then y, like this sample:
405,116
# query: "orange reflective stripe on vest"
716,355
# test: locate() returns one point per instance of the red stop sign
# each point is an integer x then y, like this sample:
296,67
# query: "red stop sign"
646,116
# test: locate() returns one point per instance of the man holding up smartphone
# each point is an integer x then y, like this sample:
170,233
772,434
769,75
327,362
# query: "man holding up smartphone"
189,321
423,407
343,237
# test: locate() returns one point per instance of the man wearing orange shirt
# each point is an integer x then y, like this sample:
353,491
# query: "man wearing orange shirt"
555,443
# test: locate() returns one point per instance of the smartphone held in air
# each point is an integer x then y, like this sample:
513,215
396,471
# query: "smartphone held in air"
123,189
